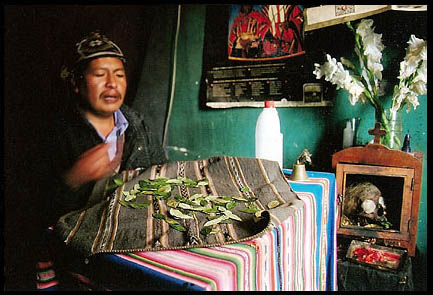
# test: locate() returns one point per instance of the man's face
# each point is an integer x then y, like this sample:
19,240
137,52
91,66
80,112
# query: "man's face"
104,86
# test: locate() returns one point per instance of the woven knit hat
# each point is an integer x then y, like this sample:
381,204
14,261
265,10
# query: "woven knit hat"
97,45
94,45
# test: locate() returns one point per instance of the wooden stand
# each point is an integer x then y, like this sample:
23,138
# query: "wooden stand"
356,277
378,160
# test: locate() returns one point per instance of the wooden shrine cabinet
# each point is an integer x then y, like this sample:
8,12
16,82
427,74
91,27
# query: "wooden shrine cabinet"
397,175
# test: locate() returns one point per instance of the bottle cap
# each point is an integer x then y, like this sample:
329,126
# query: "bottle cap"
406,144
269,104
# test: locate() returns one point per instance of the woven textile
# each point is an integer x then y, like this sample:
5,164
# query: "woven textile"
109,227
298,255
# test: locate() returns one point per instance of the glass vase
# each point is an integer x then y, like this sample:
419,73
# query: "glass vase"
393,125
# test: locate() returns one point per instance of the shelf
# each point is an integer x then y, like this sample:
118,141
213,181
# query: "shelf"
261,104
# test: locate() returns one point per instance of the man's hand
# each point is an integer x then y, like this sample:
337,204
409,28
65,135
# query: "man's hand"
93,164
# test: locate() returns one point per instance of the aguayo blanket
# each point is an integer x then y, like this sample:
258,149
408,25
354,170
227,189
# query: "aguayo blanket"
183,204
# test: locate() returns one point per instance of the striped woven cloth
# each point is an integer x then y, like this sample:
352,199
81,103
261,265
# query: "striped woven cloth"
297,255
109,227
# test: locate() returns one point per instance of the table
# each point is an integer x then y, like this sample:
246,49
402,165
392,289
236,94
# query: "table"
299,254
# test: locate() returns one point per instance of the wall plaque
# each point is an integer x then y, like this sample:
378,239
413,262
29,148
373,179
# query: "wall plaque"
251,85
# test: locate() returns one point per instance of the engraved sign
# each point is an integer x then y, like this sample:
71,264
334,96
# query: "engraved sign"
254,83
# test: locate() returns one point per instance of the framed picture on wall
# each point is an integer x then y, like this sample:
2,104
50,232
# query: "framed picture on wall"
265,32
254,53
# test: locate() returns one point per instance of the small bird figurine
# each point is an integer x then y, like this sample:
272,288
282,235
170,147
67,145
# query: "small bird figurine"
304,157
299,172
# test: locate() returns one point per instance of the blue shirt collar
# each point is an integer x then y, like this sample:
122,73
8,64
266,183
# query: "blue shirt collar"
120,125
120,122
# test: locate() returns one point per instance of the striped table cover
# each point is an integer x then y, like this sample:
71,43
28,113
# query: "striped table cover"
298,255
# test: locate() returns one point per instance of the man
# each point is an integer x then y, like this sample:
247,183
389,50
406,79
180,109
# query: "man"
98,135
95,136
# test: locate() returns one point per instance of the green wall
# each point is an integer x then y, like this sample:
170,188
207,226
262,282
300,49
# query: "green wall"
227,131
209,132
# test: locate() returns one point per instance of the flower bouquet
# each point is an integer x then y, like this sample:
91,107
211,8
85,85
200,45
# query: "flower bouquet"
363,81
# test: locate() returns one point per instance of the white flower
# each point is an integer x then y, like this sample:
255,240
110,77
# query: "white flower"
342,77
404,94
419,87
367,84
364,27
333,72
376,69
416,44
413,75
373,47
328,68
407,69
412,99
398,97
416,52
356,93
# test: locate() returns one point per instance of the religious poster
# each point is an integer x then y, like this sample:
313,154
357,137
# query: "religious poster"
260,54
265,32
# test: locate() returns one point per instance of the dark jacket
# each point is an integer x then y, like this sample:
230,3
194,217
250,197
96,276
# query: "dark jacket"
69,137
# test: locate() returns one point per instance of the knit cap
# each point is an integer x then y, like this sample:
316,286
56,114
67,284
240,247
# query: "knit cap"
97,45
94,45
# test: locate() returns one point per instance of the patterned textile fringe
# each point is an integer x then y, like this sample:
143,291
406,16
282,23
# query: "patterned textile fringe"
46,276
46,280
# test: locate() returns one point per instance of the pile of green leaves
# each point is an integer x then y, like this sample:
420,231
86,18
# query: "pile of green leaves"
385,224
185,208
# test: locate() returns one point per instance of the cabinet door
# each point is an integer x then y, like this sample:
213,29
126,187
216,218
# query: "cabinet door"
396,188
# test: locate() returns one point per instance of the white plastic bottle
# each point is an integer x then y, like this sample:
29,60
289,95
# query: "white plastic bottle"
269,139
347,135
